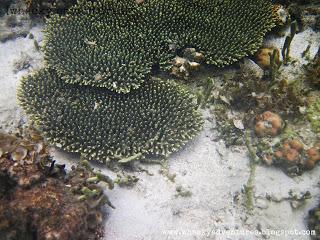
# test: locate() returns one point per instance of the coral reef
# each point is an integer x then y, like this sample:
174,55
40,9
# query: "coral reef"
158,118
290,152
39,200
268,123
280,14
115,44
313,155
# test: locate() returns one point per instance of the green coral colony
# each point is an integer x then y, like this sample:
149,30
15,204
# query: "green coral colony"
155,119
96,96
115,43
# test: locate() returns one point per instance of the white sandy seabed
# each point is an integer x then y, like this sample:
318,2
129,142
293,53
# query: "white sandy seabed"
213,174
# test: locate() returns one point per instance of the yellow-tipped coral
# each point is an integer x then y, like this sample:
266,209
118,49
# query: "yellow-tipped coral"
116,43
158,118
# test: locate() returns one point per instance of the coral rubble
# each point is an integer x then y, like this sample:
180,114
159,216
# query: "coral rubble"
158,118
39,200
115,44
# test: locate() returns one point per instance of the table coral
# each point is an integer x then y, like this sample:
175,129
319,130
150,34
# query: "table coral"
158,118
115,44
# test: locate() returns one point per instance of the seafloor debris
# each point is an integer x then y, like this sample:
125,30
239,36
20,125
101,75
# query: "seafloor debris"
138,37
14,26
268,123
39,200
313,71
314,222
287,43
263,57
22,63
183,67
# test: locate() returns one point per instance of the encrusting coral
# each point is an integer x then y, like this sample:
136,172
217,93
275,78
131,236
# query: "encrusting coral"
116,43
39,200
158,118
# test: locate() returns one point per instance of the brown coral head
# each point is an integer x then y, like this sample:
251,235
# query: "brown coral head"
313,154
292,156
296,144
269,124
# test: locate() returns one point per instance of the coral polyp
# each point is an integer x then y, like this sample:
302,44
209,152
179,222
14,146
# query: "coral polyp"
116,43
158,118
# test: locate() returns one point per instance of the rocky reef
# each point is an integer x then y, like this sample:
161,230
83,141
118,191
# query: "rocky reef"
40,200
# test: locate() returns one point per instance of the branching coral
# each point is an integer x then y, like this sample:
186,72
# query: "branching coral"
115,44
158,118
38,200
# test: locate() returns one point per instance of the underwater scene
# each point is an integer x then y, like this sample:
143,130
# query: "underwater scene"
159,119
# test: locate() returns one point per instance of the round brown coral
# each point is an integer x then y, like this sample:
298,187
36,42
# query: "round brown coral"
268,124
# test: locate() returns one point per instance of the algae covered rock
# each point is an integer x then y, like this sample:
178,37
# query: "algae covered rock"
314,222
116,43
158,118
313,113
39,200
